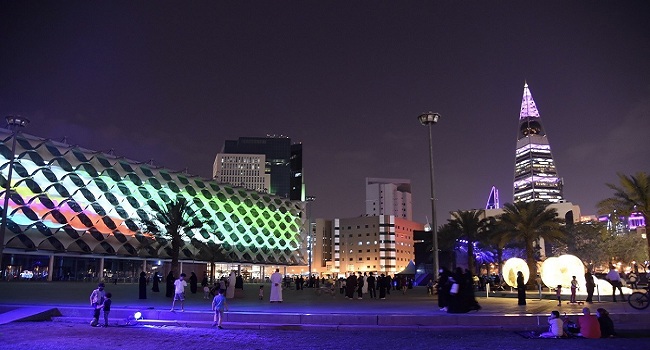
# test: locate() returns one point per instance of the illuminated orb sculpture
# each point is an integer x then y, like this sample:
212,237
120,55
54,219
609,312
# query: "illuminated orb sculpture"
510,269
559,271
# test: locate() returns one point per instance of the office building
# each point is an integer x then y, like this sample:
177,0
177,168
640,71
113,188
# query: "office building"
389,197
282,163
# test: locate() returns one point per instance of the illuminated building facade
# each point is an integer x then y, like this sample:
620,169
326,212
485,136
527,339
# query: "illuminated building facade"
493,199
382,244
283,162
389,197
68,200
536,177
244,170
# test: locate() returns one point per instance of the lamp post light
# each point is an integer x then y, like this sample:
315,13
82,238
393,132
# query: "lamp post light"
310,243
428,119
14,123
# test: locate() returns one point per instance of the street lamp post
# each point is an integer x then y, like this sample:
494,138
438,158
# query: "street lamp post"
428,119
310,244
14,123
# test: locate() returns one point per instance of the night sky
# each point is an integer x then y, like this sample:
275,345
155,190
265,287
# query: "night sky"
171,81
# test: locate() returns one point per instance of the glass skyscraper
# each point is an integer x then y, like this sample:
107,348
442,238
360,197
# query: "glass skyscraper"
536,177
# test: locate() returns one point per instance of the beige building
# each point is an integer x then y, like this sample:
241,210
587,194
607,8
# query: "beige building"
244,170
381,244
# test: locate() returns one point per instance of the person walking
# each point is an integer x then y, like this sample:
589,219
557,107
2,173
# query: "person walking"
360,286
219,305
350,285
142,284
179,292
590,285
194,280
276,287
96,299
156,279
371,286
364,288
381,282
521,289
169,290
106,306
614,279
574,287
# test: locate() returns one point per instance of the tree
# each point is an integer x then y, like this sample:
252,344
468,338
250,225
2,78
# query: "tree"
588,241
498,239
469,226
632,196
525,223
176,219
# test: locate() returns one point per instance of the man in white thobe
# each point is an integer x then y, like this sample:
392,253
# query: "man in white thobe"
276,286
230,290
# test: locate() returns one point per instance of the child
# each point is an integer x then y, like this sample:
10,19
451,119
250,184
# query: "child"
555,326
179,292
218,305
261,293
574,286
558,294
107,308
206,292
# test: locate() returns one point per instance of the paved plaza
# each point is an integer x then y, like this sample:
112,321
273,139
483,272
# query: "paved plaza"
305,309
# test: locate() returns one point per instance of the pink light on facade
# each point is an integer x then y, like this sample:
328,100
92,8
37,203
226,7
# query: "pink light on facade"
528,107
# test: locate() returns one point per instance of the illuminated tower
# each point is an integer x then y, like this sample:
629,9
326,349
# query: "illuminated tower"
493,199
535,174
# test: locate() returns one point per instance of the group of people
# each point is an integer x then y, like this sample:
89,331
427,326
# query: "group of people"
456,291
587,325
100,301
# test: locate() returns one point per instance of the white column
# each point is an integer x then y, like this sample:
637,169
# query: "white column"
180,267
100,274
144,265
50,268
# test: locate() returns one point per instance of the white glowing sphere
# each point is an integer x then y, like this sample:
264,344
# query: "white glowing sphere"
510,269
560,270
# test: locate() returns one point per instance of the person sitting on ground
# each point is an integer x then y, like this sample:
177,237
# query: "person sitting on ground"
606,323
555,326
589,326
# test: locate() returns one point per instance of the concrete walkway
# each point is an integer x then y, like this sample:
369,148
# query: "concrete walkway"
300,309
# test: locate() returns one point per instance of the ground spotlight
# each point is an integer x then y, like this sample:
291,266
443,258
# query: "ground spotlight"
133,319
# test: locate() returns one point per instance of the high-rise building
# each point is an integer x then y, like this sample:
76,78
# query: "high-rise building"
244,170
536,177
389,197
283,163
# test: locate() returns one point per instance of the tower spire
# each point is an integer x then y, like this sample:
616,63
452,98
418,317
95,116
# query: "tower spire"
536,177
528,107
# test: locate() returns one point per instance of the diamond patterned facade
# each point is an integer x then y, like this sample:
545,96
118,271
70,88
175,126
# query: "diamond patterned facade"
69,199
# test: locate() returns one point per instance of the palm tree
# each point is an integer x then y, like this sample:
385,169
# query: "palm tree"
497,239
632,196
469,226
525,223
176,219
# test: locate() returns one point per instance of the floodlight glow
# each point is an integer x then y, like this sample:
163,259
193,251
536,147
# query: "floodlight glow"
510,269
559,271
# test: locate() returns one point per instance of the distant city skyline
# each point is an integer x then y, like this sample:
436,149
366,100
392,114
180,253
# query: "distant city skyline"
172,81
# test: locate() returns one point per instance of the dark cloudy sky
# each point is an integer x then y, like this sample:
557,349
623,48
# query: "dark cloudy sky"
171,80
